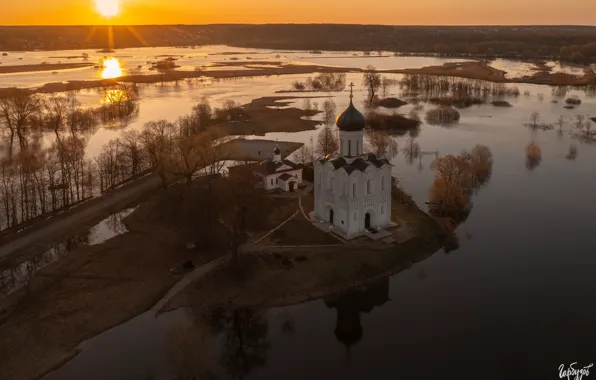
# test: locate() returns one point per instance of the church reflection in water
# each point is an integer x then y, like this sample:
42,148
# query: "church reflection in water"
350,305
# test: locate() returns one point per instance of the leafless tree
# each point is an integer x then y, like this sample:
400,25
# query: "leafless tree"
304,155
561,123
203,112
57,113
327,142
385,85
158,142
382,144
534,118
371,81
16,111
329,112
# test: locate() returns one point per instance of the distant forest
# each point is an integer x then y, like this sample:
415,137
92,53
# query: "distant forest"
571,43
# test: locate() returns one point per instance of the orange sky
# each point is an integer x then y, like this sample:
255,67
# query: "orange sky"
392,12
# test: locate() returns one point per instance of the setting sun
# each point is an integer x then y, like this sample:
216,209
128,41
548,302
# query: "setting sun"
108,8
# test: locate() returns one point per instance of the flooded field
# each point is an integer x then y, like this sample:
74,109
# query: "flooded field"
113,65
512,297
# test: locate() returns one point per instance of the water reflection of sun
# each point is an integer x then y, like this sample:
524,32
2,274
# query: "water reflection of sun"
111,68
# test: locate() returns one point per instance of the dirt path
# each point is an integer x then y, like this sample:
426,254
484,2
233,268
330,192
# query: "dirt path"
45,235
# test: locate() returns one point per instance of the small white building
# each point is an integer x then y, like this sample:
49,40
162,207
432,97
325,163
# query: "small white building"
279,174
353,188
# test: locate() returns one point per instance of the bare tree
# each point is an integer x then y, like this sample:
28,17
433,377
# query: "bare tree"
385,85
329,112
203,113
304,155
197,151
16,111
534,118
382,144
327,142
57,111
561,123
579,120
372,81
450,192
132,145
158,142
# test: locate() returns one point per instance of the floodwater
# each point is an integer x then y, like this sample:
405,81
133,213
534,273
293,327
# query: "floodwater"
512,301
213,57
14,279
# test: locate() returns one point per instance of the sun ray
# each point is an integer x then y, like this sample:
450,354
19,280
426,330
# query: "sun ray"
137,35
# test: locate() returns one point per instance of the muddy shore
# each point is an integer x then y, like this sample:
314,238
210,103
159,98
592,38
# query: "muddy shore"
40,67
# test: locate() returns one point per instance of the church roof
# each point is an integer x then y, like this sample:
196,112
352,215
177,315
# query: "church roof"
351,119
360,163
271,167
338,162
285,177
349,169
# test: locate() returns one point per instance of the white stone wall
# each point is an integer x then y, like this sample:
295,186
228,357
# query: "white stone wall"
272,181
372,195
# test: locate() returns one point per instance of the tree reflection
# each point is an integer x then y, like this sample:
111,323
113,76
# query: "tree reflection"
349,306
245,340
190,351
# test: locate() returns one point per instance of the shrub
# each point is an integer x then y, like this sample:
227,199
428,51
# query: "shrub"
442,115
501,103
573,101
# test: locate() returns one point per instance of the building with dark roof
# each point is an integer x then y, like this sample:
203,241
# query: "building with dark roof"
278,173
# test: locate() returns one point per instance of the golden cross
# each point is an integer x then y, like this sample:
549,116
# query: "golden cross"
351,90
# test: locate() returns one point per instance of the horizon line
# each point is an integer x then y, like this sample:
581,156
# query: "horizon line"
302,24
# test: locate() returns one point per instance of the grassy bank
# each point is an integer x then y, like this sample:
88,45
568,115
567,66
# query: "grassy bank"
316,271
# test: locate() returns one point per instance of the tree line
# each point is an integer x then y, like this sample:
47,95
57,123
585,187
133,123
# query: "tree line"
38,179
479,41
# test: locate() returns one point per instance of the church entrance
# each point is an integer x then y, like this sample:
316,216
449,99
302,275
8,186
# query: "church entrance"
292,184
367,221
331,216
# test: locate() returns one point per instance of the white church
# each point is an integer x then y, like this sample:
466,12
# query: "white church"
353,188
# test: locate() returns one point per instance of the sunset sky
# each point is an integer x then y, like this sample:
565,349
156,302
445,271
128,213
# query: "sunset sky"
392,12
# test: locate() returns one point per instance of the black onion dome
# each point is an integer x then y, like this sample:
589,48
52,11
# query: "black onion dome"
276,151
351,119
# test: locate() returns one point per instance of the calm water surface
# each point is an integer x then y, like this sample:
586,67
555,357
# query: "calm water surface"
514,301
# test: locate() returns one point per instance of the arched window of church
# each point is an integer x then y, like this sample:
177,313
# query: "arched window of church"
355,216
349,147
354,190
383,183
383,209
368,189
